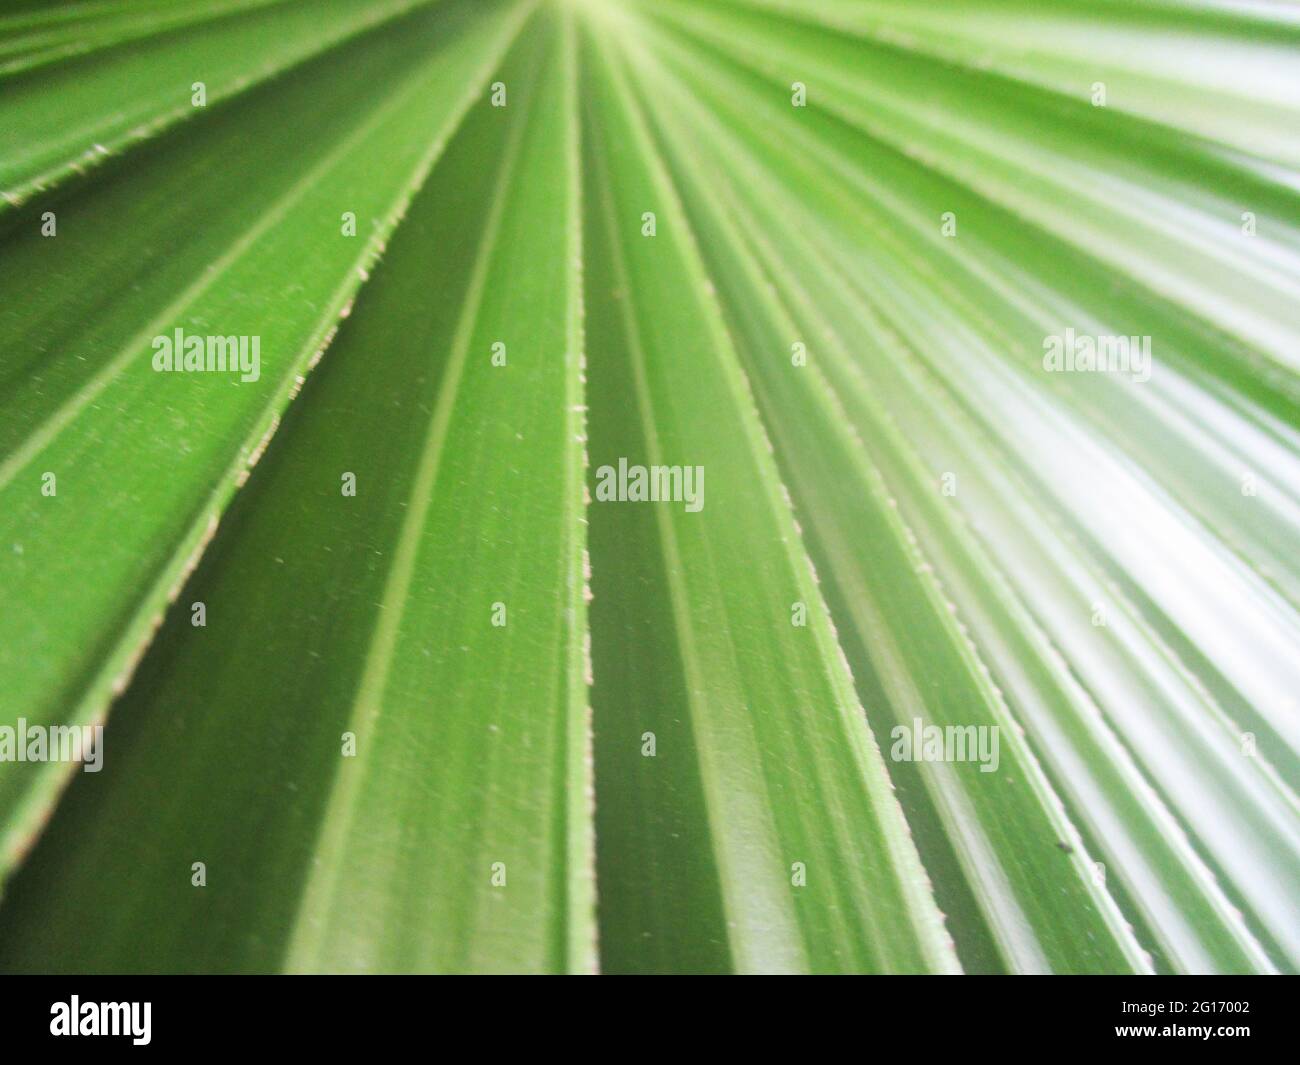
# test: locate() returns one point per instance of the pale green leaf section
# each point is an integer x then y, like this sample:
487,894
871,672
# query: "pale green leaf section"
1000,829
1035,157
1219,69
1151,721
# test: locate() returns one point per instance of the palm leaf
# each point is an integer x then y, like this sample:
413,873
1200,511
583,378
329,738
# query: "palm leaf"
126,521
614,243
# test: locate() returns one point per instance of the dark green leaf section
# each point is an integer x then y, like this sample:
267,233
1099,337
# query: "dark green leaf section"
458,838
55,34
143,462
59,120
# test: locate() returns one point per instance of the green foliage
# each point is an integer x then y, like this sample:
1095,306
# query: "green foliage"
446,706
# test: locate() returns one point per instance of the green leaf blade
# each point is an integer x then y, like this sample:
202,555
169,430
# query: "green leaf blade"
148,530
766,709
